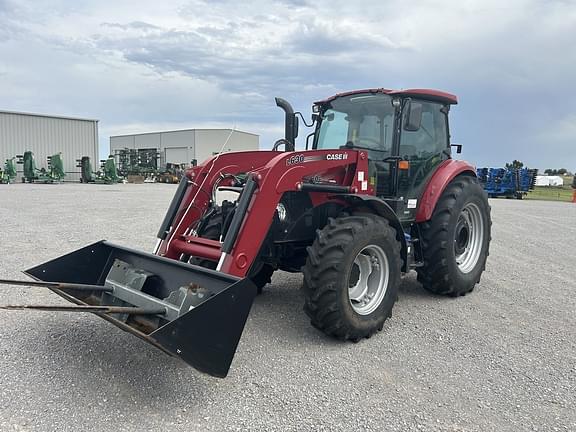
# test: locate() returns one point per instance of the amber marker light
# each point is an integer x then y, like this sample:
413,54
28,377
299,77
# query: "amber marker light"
403,165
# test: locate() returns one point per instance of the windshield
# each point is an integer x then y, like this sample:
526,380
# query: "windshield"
361,120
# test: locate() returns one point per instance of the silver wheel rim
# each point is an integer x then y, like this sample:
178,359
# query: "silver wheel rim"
368,280
468,238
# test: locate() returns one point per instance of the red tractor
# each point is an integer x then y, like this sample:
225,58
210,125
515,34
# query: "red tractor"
375,195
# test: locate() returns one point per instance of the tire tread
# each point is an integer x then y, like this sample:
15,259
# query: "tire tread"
322,272
435,274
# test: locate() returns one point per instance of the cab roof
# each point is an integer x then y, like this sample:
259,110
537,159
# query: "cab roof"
426,94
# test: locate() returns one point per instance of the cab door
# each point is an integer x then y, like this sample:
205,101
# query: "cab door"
424,148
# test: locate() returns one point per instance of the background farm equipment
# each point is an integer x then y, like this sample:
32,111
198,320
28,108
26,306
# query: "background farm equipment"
507,182
133,163
55,172
107,174
8,174
172,173
376,196
86,173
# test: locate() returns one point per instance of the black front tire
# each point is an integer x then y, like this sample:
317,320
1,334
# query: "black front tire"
261,275
440,272
328,270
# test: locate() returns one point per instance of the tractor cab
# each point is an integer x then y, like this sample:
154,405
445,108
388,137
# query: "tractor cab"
404,132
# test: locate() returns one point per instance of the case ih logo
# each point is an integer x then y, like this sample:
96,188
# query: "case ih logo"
296,159
337,156
300,158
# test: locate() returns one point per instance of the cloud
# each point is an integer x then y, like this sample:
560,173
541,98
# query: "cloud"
326,39
199,62
134,25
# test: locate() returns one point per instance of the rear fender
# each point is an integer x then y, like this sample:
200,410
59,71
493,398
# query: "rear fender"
445,173
381,208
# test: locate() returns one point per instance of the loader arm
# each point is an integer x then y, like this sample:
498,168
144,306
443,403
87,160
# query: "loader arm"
282,172
197,195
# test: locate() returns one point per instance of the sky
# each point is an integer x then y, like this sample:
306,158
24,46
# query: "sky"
141,66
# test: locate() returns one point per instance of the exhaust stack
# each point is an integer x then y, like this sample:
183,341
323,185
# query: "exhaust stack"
290,123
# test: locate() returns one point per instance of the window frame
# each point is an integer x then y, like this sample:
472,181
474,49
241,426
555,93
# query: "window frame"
329,106
443,109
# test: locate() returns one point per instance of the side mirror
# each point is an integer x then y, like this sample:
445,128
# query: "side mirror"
296,126
458,147
413,116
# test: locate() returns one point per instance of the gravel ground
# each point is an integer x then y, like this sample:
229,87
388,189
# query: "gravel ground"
500,359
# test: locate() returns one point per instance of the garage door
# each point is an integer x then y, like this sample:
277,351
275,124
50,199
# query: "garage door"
177,155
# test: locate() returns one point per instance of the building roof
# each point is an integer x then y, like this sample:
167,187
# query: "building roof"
183,130
428,94
46,115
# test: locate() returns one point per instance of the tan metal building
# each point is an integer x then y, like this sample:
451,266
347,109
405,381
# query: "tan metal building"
184,146
46,135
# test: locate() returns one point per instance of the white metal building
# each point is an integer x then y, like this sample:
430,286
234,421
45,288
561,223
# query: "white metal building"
184,146
46,135
543,180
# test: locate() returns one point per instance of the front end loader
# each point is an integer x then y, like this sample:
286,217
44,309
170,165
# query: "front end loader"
375,195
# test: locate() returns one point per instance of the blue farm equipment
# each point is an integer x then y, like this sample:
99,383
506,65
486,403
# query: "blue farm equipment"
507,182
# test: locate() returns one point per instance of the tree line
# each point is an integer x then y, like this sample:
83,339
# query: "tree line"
561,171
516,164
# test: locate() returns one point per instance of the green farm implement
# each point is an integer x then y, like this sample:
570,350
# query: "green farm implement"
8,174
108,173
54,174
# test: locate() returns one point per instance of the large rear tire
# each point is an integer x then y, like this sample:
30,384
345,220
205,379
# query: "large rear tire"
351,276
455,241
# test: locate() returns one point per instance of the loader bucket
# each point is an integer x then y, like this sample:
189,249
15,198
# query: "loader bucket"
189,312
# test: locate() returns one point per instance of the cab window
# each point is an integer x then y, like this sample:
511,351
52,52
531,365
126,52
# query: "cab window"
361,121
432,136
